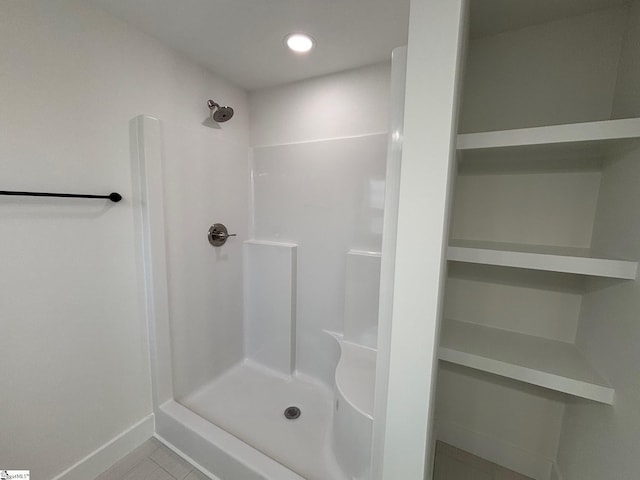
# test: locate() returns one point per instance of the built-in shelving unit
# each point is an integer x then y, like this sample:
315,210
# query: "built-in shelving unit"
539,361
536,257
540,314
545,362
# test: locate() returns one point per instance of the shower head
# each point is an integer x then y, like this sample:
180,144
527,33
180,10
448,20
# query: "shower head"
219,113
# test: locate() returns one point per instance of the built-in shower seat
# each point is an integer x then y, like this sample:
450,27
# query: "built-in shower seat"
356,368
353,410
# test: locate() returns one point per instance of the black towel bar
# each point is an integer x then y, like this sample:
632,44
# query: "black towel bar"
114,197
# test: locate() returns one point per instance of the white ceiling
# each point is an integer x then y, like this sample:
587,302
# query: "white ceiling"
242,40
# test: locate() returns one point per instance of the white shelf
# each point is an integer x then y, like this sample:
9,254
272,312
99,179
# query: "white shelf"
552,259
546,363
609,130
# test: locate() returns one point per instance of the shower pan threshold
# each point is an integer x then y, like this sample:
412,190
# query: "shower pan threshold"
249,402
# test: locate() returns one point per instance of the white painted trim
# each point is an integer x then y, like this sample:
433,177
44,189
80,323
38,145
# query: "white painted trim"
494,449
436,38
105,456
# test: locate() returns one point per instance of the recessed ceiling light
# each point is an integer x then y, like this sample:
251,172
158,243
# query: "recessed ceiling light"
299,42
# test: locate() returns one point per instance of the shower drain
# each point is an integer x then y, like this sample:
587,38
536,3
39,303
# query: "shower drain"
291,413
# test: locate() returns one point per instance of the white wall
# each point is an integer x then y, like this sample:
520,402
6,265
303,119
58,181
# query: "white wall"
558,72
530,207
513,424
627,95
75,356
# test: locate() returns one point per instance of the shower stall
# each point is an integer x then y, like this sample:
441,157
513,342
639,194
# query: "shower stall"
261,272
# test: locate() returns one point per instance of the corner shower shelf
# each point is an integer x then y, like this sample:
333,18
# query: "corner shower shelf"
546,363
588,134
534,257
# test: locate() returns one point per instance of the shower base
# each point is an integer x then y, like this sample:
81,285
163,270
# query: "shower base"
249,402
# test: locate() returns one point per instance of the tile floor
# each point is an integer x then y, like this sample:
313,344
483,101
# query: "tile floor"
152,461
454,464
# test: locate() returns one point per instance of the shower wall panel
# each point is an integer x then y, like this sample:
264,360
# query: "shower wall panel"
205,182
327,197
344,104
270,303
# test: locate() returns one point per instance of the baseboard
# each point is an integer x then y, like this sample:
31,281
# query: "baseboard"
495,450
101,459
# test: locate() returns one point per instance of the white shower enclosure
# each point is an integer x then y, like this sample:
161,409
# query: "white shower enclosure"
284,314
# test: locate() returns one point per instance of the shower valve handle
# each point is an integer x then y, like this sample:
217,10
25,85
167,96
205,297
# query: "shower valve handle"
224,235
218,235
